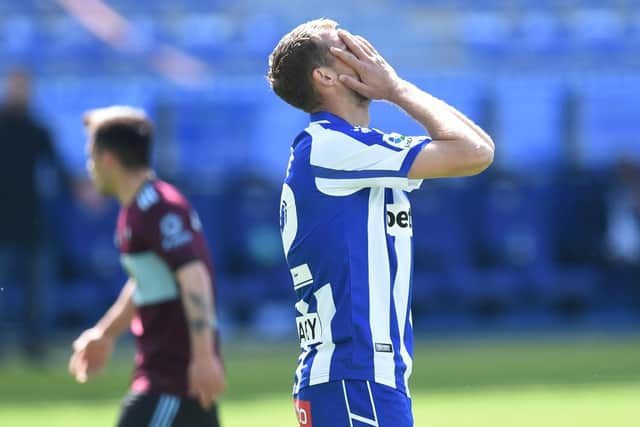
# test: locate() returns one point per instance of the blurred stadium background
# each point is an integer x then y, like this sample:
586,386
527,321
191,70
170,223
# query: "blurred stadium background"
533,268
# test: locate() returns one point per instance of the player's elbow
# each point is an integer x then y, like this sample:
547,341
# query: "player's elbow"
480,159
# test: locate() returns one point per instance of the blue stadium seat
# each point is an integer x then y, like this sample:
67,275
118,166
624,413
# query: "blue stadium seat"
597,30
484,34
207,35
607,125
252,269
62,104
577,224
68,41
207,145
275,127
18,39
213,215
540,33
443,280
511,239
530,121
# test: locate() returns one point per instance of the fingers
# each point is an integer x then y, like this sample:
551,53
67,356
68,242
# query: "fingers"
366,46
354,45
355,84
205,399
205,396
78,343
78,367
75,363
207,392
347,57
198,390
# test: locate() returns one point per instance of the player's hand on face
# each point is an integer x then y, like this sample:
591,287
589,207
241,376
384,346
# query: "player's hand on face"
206,379
92,350
378,80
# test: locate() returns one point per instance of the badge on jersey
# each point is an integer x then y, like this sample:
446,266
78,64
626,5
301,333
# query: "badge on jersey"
399,220
397,140
174,234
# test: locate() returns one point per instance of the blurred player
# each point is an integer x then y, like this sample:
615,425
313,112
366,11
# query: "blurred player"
168,299
346,221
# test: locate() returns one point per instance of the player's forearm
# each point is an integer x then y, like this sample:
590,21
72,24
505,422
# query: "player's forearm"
442,121
197,300
118,318
477,129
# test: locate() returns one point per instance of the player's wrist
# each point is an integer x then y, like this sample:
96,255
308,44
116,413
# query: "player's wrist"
399,91
202,349
103,332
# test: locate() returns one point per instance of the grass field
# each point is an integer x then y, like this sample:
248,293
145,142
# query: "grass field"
587,381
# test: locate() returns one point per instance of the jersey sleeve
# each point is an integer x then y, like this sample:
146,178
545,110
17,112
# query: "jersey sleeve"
170,233
346,161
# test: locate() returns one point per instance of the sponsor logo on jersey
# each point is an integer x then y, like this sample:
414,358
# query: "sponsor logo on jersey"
173,232
309,329
399,219
147,197
362,130
303,412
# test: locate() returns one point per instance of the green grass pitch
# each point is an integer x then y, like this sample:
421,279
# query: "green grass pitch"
586,381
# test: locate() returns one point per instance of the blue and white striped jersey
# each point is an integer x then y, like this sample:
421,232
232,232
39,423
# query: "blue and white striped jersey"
346,229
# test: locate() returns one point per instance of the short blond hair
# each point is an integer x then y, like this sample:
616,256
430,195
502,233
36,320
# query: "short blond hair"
97,117
293,60
123,130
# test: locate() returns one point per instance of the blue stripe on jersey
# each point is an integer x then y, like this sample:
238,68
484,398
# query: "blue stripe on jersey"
359,282
395,332
411,156
321,172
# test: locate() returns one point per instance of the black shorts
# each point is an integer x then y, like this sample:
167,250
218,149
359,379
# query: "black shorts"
165,410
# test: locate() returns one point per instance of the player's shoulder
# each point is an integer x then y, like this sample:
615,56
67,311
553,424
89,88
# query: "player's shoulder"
157,196
323,130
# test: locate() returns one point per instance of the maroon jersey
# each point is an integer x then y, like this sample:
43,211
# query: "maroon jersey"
158,233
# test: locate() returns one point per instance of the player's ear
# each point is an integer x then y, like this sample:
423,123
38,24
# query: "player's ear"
109,159
324,77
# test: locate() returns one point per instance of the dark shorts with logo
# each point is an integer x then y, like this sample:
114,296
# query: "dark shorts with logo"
165,410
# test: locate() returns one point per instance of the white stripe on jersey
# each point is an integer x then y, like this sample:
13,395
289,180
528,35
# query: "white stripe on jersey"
289,214
354,155
379,289
347,186
401,288
301,365
320,369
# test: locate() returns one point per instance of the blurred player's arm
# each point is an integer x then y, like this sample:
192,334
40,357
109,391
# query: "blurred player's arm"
118,318
459,147
206,375
93,347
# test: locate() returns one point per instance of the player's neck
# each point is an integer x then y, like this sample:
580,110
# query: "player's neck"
130,183
356,113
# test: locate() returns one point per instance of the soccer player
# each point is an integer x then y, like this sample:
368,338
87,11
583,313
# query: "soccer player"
168,300
346,221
